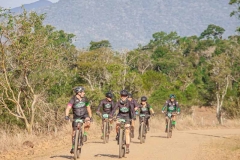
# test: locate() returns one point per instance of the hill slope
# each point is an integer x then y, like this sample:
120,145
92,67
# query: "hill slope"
32,6
129,23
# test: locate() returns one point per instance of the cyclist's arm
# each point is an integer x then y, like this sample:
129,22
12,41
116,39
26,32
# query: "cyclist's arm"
136,105
133,114
165,106
68,108
114,109
89,110
99,106
177,107
151,110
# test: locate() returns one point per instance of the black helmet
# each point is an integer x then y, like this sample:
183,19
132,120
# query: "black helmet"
143,98
109,95
124,93
78,89
172,96
130,95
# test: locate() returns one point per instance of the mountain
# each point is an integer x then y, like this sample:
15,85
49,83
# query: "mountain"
33,6
127,23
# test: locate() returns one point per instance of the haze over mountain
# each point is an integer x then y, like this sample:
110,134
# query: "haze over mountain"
127,23
33,6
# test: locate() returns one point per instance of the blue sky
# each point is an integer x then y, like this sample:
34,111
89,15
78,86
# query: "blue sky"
17,3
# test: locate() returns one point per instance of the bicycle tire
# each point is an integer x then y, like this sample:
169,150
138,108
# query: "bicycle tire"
121,150
104,132
107,132
168,128
144,132
76,144
80,142
141,133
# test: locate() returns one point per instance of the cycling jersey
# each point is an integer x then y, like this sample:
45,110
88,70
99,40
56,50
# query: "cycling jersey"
134,103
145,110
79,106
107,106
125,109
171,106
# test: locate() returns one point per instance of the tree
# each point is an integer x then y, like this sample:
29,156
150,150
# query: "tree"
28,58
100,44
212,32
237,4
220,74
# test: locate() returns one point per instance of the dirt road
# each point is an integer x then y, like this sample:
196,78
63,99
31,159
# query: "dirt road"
184,145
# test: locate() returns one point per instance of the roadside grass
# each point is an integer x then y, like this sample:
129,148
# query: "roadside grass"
221,149
12,142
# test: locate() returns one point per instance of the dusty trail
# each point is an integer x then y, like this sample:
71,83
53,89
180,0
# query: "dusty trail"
184,145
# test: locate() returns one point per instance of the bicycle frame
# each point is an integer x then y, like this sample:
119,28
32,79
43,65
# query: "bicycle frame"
106,129
142,128
169,123
78,142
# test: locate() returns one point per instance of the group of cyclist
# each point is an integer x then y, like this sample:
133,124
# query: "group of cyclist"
126,107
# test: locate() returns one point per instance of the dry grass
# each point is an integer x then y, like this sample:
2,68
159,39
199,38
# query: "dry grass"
223,149
11,145
201,118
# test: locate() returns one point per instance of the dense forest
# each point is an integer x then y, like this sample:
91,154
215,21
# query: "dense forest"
40,66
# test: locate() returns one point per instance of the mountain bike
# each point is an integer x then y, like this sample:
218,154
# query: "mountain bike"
169,124
78,138
143,128
106,128
122,138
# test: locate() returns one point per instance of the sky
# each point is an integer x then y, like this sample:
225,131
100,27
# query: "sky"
18,3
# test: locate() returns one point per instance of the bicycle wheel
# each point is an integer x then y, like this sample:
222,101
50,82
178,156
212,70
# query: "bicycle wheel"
168,129
141,133
80,143
76,144
144,132
107,131
121,149
104,132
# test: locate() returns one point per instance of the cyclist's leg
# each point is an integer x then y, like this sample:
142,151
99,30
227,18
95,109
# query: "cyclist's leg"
132,127
173,120
147,123
86,127
117,128
127,131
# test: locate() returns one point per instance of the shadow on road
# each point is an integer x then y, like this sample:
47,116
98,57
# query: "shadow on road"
209,135
159,136
95,142
62,156
135,142
106,155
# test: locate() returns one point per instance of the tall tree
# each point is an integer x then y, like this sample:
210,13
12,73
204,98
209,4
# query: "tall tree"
28,59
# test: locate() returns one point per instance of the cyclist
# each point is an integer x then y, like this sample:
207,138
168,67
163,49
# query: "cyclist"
146,109
126,112
135,105
172,106
107,105
81,109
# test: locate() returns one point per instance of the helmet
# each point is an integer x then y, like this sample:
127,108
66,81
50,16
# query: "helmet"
130,95
124,93
143,98
109,95
172,96
78,89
